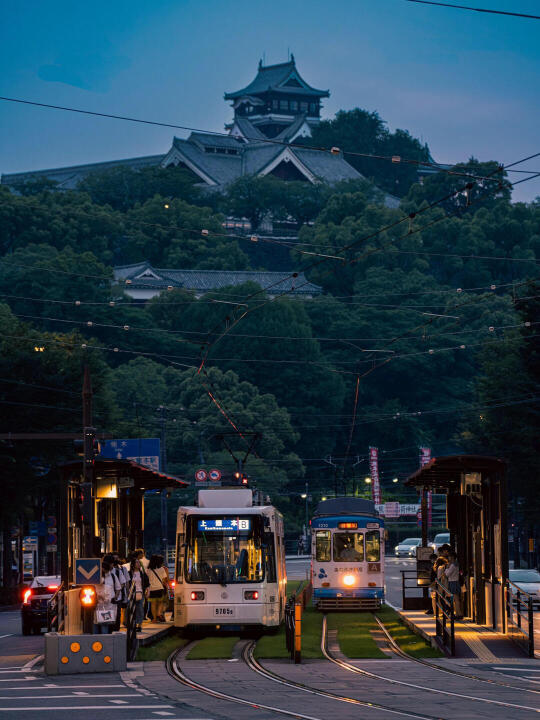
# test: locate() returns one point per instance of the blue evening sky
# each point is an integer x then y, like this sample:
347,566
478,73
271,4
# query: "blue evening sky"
467,83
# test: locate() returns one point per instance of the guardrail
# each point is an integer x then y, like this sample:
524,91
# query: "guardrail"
520,614
131,624
444,618
56,611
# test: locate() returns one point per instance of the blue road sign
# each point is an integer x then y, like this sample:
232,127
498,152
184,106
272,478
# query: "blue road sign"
87,571
145,451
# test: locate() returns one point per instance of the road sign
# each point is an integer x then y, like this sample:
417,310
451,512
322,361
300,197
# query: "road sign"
87,571
145,451
214,475
200,475
52,539
30,542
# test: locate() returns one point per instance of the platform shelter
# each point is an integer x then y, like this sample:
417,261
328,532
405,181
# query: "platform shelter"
113,520
476,509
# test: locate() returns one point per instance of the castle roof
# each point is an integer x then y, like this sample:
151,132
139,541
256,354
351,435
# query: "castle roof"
143,275
283,77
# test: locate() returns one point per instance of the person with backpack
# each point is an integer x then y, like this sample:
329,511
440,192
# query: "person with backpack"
159,583
138,576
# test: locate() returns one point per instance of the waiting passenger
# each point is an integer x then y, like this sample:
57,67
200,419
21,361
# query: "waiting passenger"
452,575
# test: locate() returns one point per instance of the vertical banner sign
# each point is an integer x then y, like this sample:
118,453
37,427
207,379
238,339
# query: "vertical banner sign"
425,457
374,471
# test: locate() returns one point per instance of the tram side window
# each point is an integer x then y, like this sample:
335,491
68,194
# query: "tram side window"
270,558
348,547
373,546
322,546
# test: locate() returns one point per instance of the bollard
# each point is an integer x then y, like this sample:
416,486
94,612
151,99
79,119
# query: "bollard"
88,598
298,633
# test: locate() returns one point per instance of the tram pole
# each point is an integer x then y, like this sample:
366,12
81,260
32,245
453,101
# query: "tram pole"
163,468
88,469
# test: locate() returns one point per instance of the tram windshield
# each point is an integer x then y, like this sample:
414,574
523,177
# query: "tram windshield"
225,550
349,547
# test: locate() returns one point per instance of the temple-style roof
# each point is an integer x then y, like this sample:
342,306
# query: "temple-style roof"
283,77
144,276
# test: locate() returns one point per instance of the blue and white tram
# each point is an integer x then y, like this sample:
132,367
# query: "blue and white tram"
347,560
230,562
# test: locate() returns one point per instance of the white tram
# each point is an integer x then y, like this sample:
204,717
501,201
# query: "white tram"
230,562
347,559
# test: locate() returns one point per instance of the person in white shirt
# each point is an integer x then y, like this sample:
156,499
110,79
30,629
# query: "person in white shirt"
452,575
159,583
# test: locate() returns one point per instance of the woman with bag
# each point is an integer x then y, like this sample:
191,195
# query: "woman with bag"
140,578
159,581
105,613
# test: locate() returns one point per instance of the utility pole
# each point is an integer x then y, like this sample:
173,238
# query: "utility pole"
163,468
87,485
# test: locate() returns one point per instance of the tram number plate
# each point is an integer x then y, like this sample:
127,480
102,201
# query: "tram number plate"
224,612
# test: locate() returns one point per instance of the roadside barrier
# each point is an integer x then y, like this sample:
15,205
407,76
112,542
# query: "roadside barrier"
293,628
131,625
56,612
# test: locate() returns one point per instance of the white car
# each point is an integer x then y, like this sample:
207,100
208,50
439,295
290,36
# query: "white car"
407,548
528,581
440,539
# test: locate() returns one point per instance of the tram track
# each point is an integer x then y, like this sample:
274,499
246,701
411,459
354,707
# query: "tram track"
375,676
394,647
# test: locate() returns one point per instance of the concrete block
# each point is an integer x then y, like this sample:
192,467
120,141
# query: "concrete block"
68,654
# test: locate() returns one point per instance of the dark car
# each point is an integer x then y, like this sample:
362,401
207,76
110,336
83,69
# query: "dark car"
35,602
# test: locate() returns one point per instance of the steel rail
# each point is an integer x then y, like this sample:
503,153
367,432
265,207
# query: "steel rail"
366,673
249,659
401,653
176,673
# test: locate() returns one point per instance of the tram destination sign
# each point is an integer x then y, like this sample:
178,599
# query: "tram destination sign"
224,524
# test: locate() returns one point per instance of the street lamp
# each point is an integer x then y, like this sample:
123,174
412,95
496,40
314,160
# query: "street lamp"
367,480
395,480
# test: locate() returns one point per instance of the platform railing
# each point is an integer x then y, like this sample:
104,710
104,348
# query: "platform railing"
444,618
520,614
131,624
56,611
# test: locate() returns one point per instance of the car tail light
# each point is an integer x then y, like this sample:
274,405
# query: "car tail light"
26,596
251,595
197,595
52,587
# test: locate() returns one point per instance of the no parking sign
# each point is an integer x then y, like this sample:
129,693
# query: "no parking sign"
214,475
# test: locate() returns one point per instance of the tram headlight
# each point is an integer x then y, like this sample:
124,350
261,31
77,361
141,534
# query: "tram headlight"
349,580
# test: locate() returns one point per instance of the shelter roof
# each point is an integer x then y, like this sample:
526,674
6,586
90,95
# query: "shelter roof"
444,473
144,478
276,77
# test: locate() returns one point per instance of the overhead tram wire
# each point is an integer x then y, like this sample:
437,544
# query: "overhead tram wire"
488,11
394,159
367,253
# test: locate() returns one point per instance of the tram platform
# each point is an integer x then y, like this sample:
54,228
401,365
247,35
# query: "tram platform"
473,642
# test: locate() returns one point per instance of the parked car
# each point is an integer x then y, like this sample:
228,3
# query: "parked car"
35,602
440,539
528,581
407,548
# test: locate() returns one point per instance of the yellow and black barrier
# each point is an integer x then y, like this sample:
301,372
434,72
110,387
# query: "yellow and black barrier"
67,654
293,628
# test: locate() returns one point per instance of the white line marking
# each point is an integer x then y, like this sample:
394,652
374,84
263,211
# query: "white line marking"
517,669
119,702
7,635
82,707
56,697
51,686
162,712
30,664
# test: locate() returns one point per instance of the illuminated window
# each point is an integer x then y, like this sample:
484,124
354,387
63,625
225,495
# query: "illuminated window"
322,545
373,546
348,547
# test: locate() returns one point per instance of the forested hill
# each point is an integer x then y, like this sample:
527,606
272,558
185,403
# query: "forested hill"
421,307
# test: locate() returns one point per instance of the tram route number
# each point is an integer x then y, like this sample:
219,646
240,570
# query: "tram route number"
224,612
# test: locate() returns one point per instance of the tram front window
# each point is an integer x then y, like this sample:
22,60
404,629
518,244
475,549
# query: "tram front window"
348,547
373,546
223,551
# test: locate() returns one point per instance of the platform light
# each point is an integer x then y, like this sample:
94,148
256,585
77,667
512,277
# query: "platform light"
88,596
349,580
